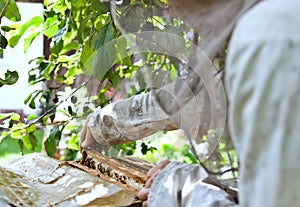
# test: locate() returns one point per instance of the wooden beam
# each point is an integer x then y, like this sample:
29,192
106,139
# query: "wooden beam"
127,172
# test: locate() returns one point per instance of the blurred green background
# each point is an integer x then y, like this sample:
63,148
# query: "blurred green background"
10,149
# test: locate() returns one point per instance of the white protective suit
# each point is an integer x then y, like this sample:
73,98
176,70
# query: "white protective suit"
263,71
262,76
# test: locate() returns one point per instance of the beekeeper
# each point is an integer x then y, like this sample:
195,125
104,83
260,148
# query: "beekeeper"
263,89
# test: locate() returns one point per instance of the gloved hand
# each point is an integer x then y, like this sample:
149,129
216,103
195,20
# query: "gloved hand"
91,135
152,173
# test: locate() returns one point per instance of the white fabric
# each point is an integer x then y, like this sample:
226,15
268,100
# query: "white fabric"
180,185
140,116
127,120
263,71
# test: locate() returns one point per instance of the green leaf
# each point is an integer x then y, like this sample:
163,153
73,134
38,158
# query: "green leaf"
16,134
30,141
78,3
69,47
84,29
2,4
57,47
3,41
7,28
46,3
99,6
103,60
121,52
11,77
15,117
71,74
43,66
10,123
114,78
45,119
70,111
51,26
74,99
110,33
32,104
35,21
40,73
29,40
86,56
28,98
99,40
86,110
52,141
106,34
144,148
31,129
63,58
12,10
31,97
31,117
73,142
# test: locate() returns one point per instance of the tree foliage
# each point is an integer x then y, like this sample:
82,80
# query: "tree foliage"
8,9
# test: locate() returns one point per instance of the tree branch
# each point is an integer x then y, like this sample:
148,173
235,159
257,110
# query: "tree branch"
54,107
